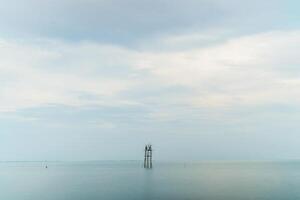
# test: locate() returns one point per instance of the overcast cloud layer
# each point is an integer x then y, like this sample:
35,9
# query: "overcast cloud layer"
94,80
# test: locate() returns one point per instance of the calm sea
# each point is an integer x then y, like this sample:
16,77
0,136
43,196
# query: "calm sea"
127,180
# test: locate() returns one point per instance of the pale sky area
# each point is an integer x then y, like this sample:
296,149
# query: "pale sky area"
198,79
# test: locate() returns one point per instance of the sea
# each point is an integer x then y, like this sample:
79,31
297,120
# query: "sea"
128,180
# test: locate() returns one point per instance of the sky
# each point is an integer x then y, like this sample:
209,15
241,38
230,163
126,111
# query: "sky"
198,79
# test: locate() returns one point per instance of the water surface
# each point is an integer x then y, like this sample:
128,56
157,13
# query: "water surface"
127,180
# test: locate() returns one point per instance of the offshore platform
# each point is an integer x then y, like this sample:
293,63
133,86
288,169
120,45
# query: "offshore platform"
148,156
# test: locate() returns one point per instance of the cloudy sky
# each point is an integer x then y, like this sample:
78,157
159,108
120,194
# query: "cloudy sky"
97,79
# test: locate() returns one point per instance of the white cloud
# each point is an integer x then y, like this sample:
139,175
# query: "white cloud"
249,70
49,72
253,69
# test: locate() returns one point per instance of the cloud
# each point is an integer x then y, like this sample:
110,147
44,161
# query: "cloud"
250,70
118,21
52,72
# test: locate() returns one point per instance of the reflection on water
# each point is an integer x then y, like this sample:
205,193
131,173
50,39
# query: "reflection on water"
128,180
148,184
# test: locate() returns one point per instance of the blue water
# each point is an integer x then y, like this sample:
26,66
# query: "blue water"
128,180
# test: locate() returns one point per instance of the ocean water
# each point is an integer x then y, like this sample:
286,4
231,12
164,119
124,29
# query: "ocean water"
127,180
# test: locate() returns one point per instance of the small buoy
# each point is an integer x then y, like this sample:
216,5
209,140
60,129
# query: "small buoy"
46,166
